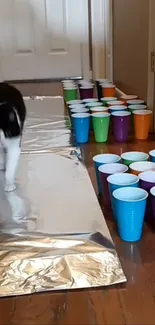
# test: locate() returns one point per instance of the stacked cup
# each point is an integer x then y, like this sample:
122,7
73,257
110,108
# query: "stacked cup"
108,90
70,90
106,100
120,180
86,89
75,106
99,84
81,126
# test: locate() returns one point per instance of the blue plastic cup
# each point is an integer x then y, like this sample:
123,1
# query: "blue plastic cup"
81,126
152,155
106,158
78,110
130,206
120,180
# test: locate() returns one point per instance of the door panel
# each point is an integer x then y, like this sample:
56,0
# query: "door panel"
42,38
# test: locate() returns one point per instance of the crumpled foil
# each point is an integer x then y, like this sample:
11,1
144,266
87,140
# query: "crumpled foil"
32,264
53,233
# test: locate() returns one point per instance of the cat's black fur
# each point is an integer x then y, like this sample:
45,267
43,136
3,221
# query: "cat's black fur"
11,105
12,117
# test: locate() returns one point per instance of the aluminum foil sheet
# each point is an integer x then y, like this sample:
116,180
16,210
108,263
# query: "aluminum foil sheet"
32,264
47,126
53,233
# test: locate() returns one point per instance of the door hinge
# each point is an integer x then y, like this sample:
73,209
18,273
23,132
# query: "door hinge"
152,61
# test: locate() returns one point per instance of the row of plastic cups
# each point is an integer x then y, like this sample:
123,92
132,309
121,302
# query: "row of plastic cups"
120,123
125,204
70,92
127,158
142,117
86,89
121,189
81,125
112,104
92,101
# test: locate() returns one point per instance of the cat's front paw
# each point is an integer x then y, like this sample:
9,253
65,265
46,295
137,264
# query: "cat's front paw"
10,187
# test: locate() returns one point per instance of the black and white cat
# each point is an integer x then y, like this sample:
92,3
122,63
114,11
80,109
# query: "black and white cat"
12,117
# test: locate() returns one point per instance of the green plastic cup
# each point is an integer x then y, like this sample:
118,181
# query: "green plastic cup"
95,104
101,122
70,94
133,156
136,107
105,100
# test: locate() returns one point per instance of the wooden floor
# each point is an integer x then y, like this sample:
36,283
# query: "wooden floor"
131,304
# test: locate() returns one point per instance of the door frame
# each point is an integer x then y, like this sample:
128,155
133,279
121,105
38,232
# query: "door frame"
102,45
85,55
102,39
151,74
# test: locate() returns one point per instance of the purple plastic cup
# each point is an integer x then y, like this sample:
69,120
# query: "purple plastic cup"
121,125
152,199
105,171
86,92
147,181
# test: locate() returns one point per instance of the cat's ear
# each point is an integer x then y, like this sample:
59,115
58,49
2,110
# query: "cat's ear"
11,117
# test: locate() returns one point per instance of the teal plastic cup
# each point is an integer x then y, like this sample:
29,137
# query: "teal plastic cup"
120,180
93,104
134,156
89,100
73,102
117,108
130,206
105,100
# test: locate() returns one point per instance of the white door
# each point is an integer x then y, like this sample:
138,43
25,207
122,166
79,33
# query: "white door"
41,39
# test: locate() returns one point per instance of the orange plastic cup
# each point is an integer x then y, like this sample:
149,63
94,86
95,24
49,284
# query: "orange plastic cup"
108,90
142,123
